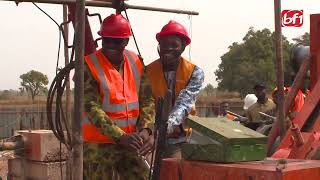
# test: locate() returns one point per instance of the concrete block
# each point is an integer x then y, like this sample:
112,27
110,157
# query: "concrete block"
15,167
19,168
12,177
42,145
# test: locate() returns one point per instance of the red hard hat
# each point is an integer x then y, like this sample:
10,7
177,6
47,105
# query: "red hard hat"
174,28
115,26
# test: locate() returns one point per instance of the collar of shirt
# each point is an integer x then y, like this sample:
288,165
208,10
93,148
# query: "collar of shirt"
170,77
119,68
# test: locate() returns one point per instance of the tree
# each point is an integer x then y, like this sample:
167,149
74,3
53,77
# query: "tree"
34,82
251,61
303,39
208,90
4,95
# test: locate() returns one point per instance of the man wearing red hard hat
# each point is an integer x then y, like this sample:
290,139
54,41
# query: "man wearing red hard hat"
117,118
174,72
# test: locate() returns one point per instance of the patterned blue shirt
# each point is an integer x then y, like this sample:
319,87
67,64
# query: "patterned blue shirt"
186,99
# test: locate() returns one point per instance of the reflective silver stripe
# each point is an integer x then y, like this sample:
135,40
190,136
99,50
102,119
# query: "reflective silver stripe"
134,68
103,82
125,122
133,105
106,99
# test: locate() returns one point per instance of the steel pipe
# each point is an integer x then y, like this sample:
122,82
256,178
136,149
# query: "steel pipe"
297,83
279,67
77,151
109,4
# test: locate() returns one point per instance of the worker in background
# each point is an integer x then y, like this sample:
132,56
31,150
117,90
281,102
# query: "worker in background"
293,111
297,104
224,108
183,78
263,104
116,126
249,100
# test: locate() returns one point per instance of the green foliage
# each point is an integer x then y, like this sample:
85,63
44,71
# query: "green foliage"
250,62
209,90
34,83
9,94
5,95
303,39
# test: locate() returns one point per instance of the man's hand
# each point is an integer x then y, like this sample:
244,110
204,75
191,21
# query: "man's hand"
132,140
243,120
292,115
148,142
176,132
170,127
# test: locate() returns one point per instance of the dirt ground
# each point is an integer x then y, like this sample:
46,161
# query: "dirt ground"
4,156
3,169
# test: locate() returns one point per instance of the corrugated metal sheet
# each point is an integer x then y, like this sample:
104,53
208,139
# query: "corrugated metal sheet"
13,120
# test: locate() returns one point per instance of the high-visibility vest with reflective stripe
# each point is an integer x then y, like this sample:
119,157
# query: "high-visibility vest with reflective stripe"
159,84
119,94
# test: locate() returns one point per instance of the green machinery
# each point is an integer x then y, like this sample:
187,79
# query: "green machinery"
223,140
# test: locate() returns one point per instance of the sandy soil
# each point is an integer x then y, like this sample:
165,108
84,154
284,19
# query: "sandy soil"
4,156
3,168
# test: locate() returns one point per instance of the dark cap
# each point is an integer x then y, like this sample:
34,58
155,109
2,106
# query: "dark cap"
259,85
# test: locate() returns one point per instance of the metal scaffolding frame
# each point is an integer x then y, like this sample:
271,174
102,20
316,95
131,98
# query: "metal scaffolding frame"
77,150
109,5
79,56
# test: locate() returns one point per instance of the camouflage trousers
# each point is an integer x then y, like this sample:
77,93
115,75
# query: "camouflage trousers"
112,162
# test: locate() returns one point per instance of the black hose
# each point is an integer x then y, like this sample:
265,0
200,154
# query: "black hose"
56,93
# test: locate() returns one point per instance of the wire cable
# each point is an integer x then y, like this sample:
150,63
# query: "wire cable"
58,55
57,87
45,13
61,33
134,37
190,34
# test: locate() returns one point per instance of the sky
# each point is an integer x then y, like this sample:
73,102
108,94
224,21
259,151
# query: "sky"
29,39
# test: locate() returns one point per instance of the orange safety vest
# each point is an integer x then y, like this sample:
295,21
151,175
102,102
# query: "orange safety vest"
119,94
298,101
158,82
